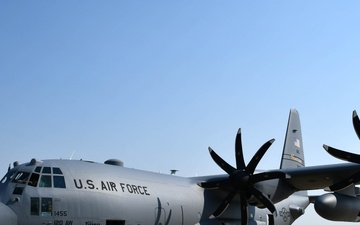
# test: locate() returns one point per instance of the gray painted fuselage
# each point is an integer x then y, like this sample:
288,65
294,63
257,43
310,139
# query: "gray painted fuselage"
103,194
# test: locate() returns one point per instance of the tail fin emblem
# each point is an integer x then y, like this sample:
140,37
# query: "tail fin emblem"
297,143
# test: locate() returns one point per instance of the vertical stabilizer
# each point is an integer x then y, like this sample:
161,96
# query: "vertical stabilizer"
293,153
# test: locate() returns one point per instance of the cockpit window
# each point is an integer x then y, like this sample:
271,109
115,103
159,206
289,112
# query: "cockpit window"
37,169
34,179
59,182
21,177
45,181
46,170
57,170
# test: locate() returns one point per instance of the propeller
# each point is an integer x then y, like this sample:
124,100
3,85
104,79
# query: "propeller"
347,156
242,180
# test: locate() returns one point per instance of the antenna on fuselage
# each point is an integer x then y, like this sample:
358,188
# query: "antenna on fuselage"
72,155
9,168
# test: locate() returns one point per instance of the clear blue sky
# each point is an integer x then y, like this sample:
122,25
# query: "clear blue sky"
154,83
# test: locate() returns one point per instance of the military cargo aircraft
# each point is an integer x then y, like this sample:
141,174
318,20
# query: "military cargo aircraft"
79,192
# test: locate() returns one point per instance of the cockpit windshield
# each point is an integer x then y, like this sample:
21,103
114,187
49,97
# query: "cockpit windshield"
47,177
44,177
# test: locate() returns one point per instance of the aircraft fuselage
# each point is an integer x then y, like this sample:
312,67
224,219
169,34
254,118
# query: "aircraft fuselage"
98,194
73,192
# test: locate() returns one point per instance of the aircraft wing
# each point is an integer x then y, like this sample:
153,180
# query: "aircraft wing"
319,177
306,178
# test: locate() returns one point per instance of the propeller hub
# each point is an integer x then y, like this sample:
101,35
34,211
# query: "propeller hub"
240,179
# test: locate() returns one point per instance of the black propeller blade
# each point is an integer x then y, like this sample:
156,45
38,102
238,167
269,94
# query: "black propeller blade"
343,155
356,123
346,156
242,179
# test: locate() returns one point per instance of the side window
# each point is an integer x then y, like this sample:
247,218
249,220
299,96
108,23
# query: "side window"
18,190
45,181
21,177
46,206
34,179
35,206
59,182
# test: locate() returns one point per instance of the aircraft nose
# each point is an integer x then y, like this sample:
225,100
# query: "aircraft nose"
7,216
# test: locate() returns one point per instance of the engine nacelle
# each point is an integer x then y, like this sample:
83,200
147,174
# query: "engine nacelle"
338,207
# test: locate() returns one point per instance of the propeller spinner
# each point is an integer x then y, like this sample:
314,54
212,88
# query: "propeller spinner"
242,180
347,156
